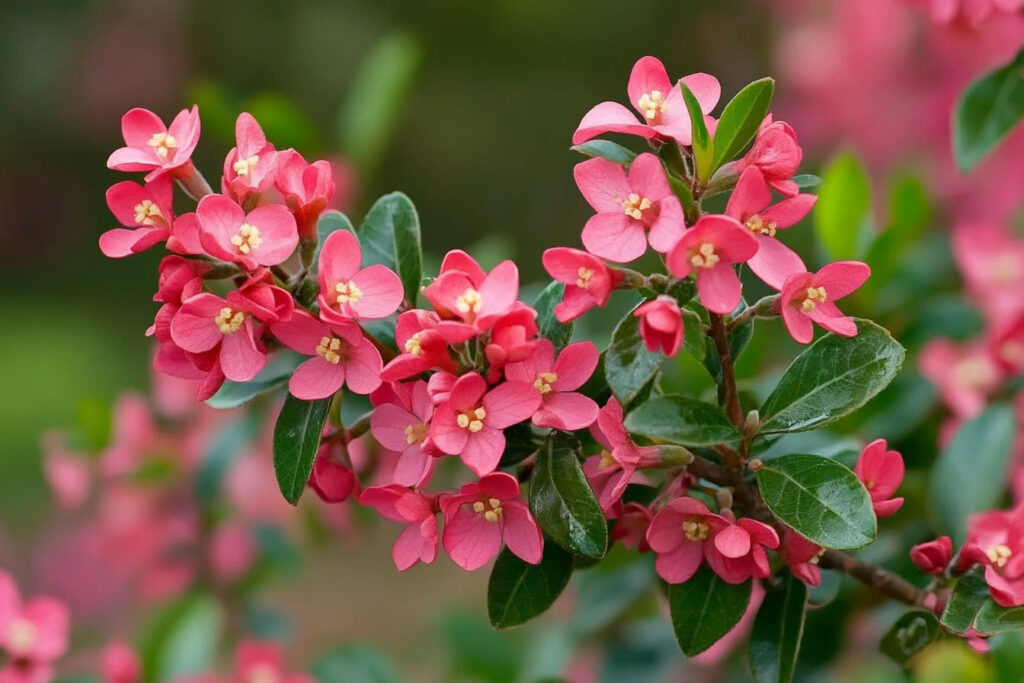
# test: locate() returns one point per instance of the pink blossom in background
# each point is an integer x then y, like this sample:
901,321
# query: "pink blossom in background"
661,325
419,539
991,260
808,297
709,249
996,540
965,375
33,634
152,147
588,281
265,236
119,663
258,661
881,471
556,382
349,291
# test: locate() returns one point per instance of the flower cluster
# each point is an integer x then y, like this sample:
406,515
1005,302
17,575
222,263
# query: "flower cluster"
33,634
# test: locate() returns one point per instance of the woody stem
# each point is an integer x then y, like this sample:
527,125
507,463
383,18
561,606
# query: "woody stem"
731,398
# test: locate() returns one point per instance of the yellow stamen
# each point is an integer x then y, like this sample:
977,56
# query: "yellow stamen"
999,555
490,509
263,673
162,144
415,433
245,166
760,226
607,460
468,302
695,529
413,344
146,213
247,239
472,420
704,256
583,276
330,349
634,205
347,293
652,105
973,373
229,321
815,296
544,381
21,636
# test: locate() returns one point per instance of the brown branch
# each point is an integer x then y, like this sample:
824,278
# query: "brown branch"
732,399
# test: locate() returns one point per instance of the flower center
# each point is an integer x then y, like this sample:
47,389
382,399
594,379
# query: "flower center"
814,296
544,381
760,226
1004,269
652,105
972,373
247,239
332,349
704,256
607,460
468,302
229,320
415,433
473,420
695,529
583,276
634,205
490,509
162,144
262,673
347,293
1012,352
999,555
414,345
147,213
21,636
245,166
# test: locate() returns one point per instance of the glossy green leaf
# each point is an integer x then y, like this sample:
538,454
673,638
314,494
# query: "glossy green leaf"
994,619
833,377
518,591
606,149
987,111
273,376
704,609
820,498
390,235
682,420
296,440
842,214
778,629
694,339
969,474
741,118
703,146
628,365
912,632
519,444
354,664
968,597
329,222
547,324
563,502
183,638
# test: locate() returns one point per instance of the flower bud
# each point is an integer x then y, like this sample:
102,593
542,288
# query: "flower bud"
724,498
674,456
933,557
661,325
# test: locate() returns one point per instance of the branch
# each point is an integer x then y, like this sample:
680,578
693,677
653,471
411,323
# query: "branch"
731,399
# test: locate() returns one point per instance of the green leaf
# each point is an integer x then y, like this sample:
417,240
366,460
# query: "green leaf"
183,638
329,222
284,122
703,146
518,591
547,323
273,376
519,444
390,235
968,597
606,149
912,632
778,628
682,420
842,214
806,181
628,365
820,498
986,112
995,619
968,477
354,664
694,339
704,609
833,377
741,118
296,440
563,502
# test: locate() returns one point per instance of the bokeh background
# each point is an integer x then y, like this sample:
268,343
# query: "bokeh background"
476,133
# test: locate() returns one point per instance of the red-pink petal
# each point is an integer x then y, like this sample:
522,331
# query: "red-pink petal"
302,332
603,183
240,359
521,534
363,367
842,278
316,378
679,564
382,292
615,237
470,540
575,364
719,288
648,74
509,403
774,262
610,117
566,411
483,450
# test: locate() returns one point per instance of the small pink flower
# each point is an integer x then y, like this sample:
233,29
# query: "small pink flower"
1006,346
33,634
663,113
965,375
661,325
68,474
610,471
208,324
331,480
484,514
307,189
630,209
423,339
232,550
418,540
403,426
741,550
588,281
808,297
710,248
631,527
469,422
881,471
970,13
556,381
149,212
251,166
151,146
265,236
995,539
341,355
263,661
683,534
513,339
801,556
777,154
750,204
466,293
991,259
348,291
266,301
934,556
119,663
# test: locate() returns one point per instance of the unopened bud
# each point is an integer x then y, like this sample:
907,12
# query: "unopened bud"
755,465
724,498
752,423
674,456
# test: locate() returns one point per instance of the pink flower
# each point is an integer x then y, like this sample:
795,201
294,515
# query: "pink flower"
881,471
801,556
683,534
341,355
777,154
588,281
67,473
148,210
934,556
741,550
119,663
482,515
231,550
266,236
418,540
660,103
266,301
251,166
33,634
263,661
331,480
151,146
513,339
995,539
223,329
991,260
661,325
750,205
307,189
350,292
965,375
555,382
423,339
630,209
610,471
971,13
1006,346
631,527
403,426
463,291
710,248
469,422
808,297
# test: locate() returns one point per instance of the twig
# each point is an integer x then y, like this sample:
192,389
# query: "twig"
731,398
